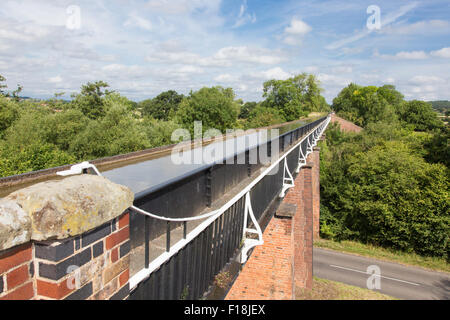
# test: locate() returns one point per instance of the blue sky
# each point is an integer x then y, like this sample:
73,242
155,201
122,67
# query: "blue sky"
144,47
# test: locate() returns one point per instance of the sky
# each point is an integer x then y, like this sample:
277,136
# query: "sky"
144,47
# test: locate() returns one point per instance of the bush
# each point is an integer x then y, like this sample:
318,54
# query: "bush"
377,190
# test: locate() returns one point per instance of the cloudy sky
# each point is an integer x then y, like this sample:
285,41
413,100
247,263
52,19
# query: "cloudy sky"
144,47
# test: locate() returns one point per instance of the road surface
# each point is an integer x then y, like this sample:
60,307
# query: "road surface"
396,280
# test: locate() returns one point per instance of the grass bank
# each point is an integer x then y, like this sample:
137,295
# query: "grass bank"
412,259
331,290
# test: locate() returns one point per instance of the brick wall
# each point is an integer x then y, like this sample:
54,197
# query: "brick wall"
346,126
315,159
16,273
267,275
284,262
94,265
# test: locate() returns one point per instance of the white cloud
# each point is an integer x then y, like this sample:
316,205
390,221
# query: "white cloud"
247,54
404,55
224,57
442,53
385,21
311,69
426,79
422,27
342,69
139,22
295,32
414,55
244,17
275,73
297,27
179,7
56,79
225,78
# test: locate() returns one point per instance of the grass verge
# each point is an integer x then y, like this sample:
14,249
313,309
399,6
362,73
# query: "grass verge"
412,259
330,290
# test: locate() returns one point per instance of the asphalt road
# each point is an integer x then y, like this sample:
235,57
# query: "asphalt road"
396,280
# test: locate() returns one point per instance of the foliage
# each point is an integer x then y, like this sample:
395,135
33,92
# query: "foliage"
8,114
441,105
246,109
294,97
16,159
14,94
363,105
438,148
215,107
90,101
162,107
420,115
114,134
159,133
377,190
263,117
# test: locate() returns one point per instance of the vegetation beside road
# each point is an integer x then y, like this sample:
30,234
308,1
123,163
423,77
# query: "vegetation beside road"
387,186
330,290
371,251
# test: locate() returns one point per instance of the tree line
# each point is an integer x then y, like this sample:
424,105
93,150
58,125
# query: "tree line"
99,122
389,184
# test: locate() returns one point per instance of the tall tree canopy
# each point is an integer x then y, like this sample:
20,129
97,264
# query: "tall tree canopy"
363,105
215,107
90,101
162,107
294,97
420,115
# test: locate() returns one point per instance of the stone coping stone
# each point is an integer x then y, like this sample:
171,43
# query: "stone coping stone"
60,209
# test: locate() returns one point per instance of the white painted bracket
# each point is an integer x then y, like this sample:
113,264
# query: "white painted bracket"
78,169
309,148
301,159
288,180
250,243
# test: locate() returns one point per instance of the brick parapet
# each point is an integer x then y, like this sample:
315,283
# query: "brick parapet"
94,266
16,273
284,262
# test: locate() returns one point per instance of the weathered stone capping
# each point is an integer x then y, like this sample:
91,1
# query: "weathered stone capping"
67,239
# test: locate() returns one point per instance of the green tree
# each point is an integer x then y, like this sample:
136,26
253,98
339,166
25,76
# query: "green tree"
9,112
215,107
391,95
159,133
377,189
263,117
420,114
438,147
363,105
90,101
16,159
2,86
294,97
116,133
62,128
246,109
14,94
162,107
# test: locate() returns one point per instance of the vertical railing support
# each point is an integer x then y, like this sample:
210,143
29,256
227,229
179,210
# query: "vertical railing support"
250,243
168,237
288,180
147,240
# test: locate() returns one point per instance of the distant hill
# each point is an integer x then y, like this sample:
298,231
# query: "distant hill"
440,106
